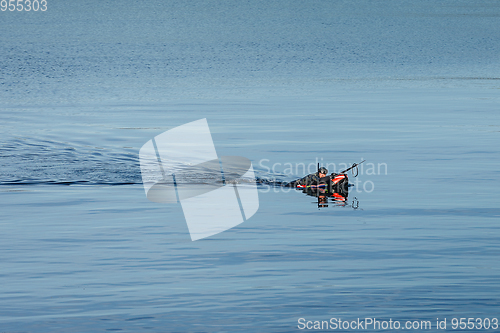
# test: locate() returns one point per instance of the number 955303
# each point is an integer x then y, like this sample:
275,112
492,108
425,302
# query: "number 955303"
23,5
474,323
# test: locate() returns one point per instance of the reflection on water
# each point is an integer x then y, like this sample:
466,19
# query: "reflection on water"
331,193
334,199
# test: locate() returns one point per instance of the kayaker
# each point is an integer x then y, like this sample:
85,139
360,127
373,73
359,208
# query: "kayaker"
312,179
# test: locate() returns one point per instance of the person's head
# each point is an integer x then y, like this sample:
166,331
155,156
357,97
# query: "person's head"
322,172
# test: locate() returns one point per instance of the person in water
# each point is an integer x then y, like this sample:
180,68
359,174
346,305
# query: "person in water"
312,179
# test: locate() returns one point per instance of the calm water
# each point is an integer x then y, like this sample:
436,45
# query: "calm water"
413,89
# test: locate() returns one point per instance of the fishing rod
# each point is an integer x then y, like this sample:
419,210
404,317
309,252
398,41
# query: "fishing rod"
355,165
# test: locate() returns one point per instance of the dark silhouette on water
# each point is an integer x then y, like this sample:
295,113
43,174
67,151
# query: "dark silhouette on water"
334,187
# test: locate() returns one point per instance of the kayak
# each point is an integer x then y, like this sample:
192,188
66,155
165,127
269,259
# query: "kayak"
330,182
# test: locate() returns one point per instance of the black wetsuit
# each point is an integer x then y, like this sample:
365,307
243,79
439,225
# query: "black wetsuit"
312,179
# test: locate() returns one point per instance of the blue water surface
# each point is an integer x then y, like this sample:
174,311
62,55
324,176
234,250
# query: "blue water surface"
412,88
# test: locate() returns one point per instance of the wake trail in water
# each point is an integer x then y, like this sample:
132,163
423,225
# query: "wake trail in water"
25,162
48,162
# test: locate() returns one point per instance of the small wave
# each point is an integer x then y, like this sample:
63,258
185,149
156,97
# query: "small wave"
26,162
67,183
45,162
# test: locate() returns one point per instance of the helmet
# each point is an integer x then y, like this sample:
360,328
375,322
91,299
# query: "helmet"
323,170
